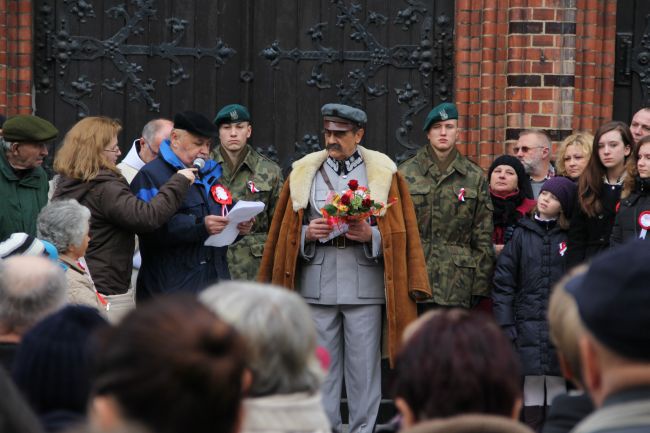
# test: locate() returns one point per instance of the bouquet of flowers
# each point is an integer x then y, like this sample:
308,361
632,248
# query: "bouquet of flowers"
353,205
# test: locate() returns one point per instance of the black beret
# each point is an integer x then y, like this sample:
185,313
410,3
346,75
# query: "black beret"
613,299
196,124
28,129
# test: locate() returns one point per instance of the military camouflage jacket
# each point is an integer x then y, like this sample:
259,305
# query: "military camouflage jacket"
454,214
256,178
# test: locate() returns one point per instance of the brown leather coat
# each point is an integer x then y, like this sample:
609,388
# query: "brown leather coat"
405,273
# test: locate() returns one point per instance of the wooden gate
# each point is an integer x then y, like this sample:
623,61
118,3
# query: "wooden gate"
140,59
632,79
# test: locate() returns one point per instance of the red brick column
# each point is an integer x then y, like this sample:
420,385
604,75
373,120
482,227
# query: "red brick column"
15,57
522,64
595,49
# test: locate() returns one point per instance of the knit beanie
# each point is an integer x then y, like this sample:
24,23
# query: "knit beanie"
22,244
564,189
523,181
51,366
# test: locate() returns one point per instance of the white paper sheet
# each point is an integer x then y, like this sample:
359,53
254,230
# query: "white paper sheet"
242,211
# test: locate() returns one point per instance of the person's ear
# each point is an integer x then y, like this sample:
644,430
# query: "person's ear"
249,131
516,409
565,368
104,412
246,381
591,374
408,418
359,135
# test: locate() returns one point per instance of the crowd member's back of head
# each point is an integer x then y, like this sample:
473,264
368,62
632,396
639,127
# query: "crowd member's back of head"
30,288
565,327
454,363
279,332
172,366
51,366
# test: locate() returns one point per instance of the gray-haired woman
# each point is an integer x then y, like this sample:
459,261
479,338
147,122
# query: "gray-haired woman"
65,224
281,339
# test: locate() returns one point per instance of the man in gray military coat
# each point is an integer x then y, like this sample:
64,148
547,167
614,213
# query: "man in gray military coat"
343,278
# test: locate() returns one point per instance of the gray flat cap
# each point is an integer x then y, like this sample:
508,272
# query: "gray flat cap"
340,117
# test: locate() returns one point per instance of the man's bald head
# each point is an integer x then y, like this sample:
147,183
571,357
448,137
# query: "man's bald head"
30,288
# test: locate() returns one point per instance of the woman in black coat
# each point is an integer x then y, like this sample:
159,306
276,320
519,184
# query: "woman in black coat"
634,211
599,190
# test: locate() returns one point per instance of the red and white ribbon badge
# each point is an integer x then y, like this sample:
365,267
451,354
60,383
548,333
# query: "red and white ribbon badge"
252,187
644,223
461,195
221,195
563,248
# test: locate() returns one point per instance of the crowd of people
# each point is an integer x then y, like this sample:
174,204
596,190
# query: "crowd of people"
509,302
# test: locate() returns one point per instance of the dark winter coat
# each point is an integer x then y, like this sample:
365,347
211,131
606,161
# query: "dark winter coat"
174,257
526,270
22,198
626,225
590,235
116,214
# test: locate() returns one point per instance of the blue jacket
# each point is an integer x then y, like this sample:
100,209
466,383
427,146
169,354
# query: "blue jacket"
174,257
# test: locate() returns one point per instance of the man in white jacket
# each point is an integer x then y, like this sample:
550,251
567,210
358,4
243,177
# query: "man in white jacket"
145,148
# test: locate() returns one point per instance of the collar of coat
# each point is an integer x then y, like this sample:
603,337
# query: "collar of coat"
379,169
425,160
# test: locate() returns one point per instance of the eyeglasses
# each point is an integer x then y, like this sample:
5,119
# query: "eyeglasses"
524,149
117,150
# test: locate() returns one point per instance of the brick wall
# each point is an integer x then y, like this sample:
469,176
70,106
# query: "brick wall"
15,57
532,64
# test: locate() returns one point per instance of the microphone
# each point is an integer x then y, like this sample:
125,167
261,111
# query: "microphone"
198,163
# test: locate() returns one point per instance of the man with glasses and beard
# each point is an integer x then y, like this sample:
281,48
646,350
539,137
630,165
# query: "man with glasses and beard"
534,151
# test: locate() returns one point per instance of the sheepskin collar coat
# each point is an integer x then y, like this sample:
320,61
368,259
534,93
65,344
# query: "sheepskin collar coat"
405,273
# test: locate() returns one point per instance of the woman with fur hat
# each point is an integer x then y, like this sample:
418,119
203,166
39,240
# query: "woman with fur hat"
633,216
512,197
534,260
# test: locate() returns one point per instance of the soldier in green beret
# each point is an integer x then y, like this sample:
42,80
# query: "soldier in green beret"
454,212
248,175
23,182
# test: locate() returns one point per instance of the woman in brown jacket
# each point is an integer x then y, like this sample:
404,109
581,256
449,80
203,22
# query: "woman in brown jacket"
87,173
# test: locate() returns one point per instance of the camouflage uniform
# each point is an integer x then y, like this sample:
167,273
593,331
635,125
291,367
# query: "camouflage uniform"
244,256
456,235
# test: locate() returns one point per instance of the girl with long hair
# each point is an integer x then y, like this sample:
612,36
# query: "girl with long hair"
599,190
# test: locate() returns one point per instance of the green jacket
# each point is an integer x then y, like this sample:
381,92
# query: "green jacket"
244,256
456,234
22,199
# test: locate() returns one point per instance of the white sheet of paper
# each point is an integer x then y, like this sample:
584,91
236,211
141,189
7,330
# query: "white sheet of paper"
336,231
242,211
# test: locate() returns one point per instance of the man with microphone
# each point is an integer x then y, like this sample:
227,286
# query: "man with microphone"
174,257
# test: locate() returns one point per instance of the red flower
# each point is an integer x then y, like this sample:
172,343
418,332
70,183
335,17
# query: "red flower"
366,202
345,200
353,184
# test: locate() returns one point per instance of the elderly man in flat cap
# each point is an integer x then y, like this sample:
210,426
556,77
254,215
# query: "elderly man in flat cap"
454,211
174,257
613,299
23,182
348,279
251,176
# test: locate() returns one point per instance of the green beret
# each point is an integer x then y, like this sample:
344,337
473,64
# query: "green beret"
28,129
444,111
233,113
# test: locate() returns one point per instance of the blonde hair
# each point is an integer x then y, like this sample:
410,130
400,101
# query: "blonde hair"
583,140
82,154
565,324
